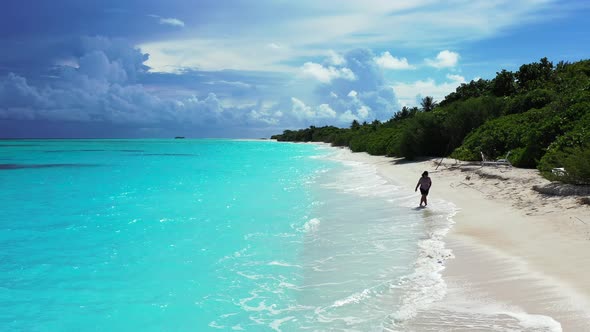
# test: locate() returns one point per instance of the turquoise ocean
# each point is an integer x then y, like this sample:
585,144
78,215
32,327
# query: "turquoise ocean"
205,235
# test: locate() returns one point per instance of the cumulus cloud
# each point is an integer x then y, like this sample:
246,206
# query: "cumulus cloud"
86,99
365,98
347,117
387,61
456,78
108,84
326,74
336,59
444,59
410,94
363,111
368,97
102,88
303,112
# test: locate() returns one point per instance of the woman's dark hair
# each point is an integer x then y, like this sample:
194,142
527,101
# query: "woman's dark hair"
425,174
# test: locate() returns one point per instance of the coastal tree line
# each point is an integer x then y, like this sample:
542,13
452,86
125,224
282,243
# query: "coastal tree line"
540,114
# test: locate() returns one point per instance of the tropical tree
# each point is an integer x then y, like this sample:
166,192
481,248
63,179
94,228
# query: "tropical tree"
533,75
504,84
428,104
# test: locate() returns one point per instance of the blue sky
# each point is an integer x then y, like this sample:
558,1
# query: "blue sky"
239,68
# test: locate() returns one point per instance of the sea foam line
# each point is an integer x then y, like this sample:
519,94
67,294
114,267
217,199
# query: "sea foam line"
426,284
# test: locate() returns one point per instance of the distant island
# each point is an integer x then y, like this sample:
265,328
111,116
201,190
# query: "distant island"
179,137
540,114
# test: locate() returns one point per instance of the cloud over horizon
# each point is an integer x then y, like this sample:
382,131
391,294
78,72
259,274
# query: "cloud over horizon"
253,69
104,85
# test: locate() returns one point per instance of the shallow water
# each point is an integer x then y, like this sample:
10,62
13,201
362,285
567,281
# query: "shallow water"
209,234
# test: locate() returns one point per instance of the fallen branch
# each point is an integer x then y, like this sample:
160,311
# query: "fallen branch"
581,220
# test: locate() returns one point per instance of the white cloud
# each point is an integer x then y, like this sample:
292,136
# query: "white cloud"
102,89
410,93
325,111
313,28
171,21
387,61
326,74
363,112
444,59
456,78
264,117
300,110
176,55
304,112
347,117
336,59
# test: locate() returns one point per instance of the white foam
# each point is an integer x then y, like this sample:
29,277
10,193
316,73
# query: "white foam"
276,324
215,325
363,178
312,225
426,285
354,298
536,322
284,264
250,276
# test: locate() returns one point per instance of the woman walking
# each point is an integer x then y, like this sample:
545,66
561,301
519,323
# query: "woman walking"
424,183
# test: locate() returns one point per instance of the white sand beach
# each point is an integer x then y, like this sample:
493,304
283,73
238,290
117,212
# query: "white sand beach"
521,258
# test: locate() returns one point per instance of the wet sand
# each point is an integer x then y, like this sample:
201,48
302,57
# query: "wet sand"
522,259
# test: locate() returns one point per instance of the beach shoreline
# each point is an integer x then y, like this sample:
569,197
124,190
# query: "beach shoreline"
519,255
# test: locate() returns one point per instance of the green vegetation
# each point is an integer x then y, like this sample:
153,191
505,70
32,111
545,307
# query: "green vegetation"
541,114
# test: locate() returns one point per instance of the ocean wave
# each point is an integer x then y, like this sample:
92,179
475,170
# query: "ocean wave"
426,284
361,178
354,298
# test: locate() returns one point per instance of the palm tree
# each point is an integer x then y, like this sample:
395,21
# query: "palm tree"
428,104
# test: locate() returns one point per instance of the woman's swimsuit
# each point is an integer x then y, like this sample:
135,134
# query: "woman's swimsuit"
425,184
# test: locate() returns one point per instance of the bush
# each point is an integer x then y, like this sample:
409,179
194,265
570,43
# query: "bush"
527,135
577,165
558,150
537,98
463,153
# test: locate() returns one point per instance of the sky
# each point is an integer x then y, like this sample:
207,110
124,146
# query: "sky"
250,69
